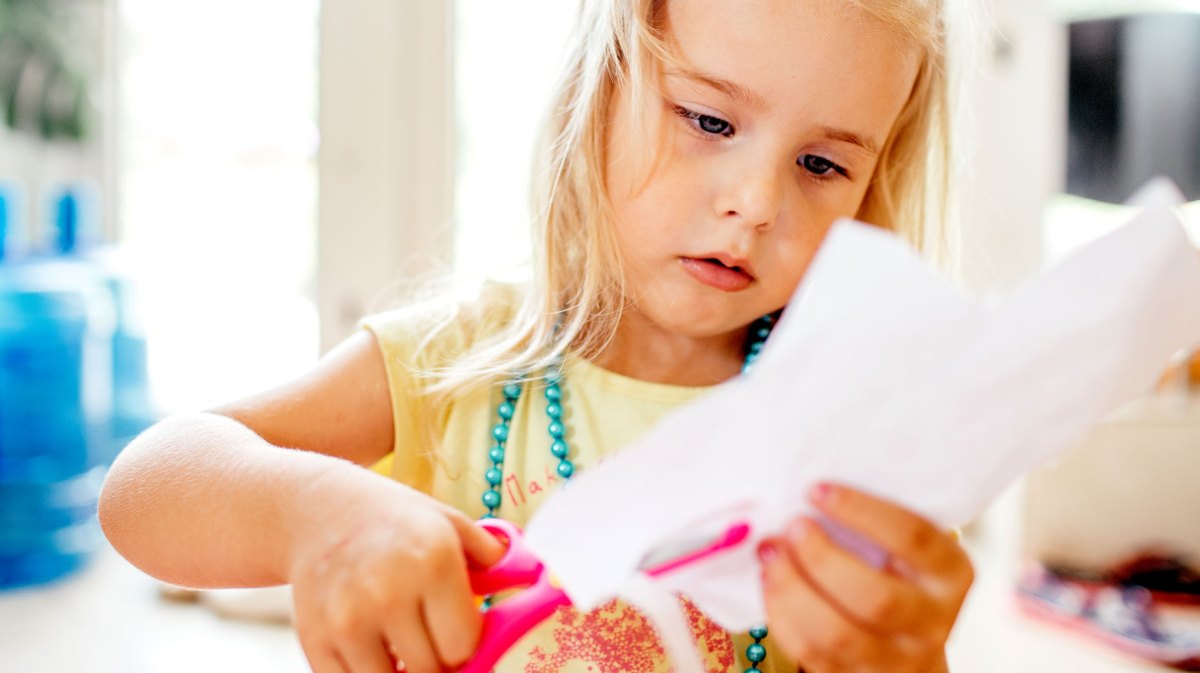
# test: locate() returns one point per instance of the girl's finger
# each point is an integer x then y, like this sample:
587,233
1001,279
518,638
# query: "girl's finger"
916,542
450,613
481,547
809,629
317,648
875,599
408,641
322,658
367,653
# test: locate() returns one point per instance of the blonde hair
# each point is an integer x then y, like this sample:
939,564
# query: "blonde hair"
575,298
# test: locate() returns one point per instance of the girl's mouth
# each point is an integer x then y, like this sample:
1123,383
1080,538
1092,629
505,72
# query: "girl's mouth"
717,274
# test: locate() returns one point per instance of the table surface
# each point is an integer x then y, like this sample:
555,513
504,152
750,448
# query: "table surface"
111,619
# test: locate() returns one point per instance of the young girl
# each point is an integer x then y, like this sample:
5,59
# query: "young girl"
697,153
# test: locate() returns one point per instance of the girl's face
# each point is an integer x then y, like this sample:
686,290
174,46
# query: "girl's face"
771,133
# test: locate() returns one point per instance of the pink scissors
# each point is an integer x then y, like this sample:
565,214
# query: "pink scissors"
505,622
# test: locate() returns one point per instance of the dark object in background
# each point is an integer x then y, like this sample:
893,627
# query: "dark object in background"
44,86
1170,579
1133,109
1124,617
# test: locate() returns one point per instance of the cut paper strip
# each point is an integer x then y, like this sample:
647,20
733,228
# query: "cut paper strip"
882,376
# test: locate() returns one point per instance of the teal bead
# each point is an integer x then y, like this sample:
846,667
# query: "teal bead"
554,410
565,469
556,429
752,670
758,632
559,449
494,476
756,653
763,332
512,391
496,454
500,432
491,499
506,410
756,347
553,378
553,393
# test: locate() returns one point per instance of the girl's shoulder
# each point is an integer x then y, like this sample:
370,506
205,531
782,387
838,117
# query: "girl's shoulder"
442,327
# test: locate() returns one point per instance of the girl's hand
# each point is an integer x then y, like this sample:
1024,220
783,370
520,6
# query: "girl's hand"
831,611
381,585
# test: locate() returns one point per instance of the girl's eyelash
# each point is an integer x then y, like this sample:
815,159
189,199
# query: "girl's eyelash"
820,168
698,120
817,167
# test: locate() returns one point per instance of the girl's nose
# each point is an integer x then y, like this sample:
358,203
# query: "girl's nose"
751,196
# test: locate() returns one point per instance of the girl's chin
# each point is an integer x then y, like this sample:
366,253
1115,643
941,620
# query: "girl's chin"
697,324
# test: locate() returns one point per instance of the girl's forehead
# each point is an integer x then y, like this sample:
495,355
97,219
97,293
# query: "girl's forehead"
794,54
780,32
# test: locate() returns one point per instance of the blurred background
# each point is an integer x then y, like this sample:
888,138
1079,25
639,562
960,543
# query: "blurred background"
197,200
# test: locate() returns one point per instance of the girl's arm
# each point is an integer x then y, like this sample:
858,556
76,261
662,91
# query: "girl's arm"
267,491
212,499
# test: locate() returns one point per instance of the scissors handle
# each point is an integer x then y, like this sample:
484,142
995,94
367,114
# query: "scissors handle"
505,623
517,568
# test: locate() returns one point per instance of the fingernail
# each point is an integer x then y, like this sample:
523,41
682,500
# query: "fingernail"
799,529
767,552
821,492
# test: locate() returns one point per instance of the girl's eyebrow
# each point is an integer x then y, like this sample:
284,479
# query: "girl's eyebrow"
863,142
748,97
737,92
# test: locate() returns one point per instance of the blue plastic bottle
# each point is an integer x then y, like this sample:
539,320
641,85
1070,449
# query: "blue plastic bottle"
56,334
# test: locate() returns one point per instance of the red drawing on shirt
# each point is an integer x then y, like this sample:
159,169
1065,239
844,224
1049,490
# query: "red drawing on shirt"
516,494
615,638
518,489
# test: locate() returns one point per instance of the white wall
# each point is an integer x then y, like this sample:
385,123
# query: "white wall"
386,157
1019,131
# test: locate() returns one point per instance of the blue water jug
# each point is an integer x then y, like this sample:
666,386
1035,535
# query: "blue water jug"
56,393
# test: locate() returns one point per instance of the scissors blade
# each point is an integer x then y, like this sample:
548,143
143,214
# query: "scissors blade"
679,552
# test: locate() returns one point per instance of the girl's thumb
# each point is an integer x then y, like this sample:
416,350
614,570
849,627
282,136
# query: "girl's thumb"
482,548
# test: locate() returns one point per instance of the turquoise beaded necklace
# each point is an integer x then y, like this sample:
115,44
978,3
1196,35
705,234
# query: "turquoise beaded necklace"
759,331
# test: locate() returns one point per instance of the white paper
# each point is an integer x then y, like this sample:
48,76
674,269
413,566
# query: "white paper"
884,377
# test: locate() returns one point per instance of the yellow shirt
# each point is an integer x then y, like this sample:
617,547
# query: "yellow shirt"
602,412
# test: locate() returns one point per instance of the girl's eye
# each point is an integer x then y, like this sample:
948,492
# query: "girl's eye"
706,123
712,125
818,165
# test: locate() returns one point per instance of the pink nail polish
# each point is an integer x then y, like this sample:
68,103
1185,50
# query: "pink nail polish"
767,552
821,492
